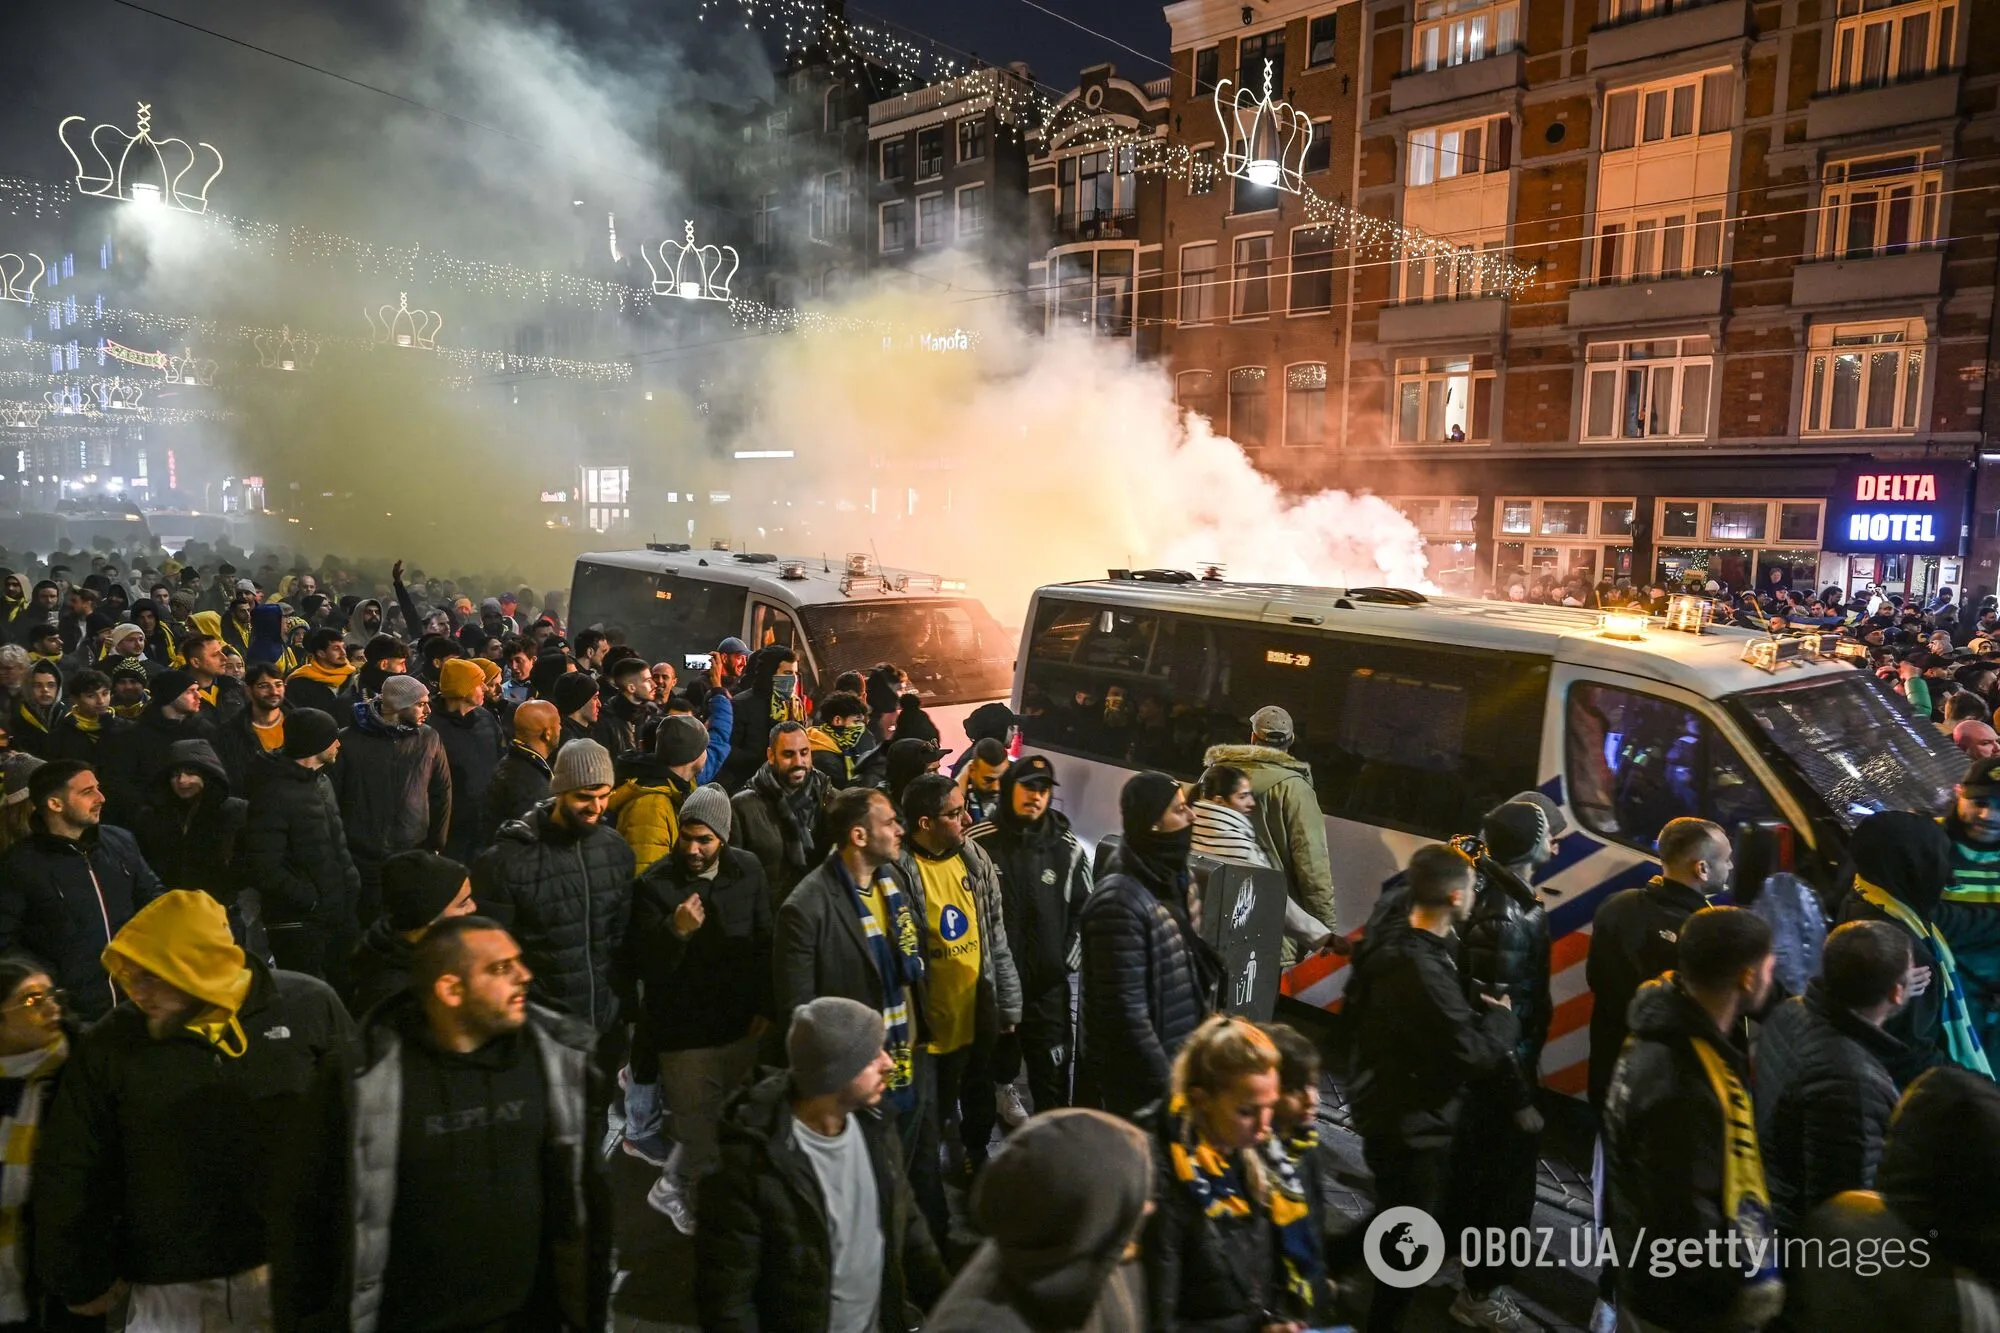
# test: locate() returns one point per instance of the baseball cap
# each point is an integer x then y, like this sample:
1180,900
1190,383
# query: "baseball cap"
1033,770
1982,779
1272,723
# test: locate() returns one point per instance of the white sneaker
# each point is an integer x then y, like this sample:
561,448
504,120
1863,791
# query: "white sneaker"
1496,1313
668,1198
1603,1317
1013,1111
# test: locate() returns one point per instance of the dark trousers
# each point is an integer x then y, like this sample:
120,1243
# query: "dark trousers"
1045,1044
369,904
921,1144
965,1085
317,948
1493,1167
1404,1176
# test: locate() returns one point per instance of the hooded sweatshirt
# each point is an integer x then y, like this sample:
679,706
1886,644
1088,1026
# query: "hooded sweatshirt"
183,938
267,635
1044,880
193,845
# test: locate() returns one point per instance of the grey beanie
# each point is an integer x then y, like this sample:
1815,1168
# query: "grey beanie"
401,693
832,1039
709,807
681,740
581,763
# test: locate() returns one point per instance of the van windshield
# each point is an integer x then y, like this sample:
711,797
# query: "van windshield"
953,648
1856,745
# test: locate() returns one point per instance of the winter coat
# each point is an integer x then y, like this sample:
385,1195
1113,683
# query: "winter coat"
160,1159
1418,1040
144,751
67,740
1143,993
520,783
394,785
236,744
1824,1097
1290,825
821,949
1503,949
380,968
473,746
194,847
644,811
999,982
567,898
763,1256
61,901
983,1300
310,687
702,991
760,827
1918,1026
750,719
620,722
295,847
1044,882
1633,938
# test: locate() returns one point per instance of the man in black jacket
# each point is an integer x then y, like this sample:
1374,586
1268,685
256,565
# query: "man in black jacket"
623,717
1824,1093
324,681
69,886
473,745
1680,1141
521,779
394,783
777,814
419,889
174,713
156,1172
190,828
1418,1040
258,727
295,853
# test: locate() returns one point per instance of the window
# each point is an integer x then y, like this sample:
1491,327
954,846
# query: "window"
1194,391
1880,205
892,159
1636,761
1865,377
1319,149
953,649
1094,290
1799,523
1246,197
1614,518
1312,271
1449,277
659,614
1457,190
1444,399
1667,110
1877,43
972,138
606,492
1741,522
1095,186
1305,404
1200,297
1207,69
829,207
931,220
1320,43
930,153
830,111
1252,53
971,212
1452,32
776,124
895,226
1466,149
764,221
1248,401
1251,285
1663,182
1202,171
1648,390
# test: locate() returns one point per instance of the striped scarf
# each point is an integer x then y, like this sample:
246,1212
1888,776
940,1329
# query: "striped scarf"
24,1081
1746,1202
1291,1210
1975,870
1217,1184
1961,1038
900,963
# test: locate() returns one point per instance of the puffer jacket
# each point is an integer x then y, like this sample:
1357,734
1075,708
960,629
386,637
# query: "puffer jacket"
1290,825
567,898
1044,882
1503,949
645,811
999,983
1824,1098
394,785
61,901
520,783
764,1258
1143,992
473,746
142,752
1633,939
295,850
194,847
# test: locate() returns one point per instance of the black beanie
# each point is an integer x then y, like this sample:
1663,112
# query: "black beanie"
573,691
308,732
417,887
171,684
1514,831
1145,798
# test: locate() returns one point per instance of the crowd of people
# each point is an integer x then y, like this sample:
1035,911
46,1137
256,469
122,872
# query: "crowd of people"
344,938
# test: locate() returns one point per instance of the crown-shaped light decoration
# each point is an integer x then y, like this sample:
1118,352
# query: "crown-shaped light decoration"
282,351
16,283
187,368
20,416
69,401
692,272
139,168
116,394
1264,141
404,327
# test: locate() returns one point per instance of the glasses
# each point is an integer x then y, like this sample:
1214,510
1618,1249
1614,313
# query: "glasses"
38,1000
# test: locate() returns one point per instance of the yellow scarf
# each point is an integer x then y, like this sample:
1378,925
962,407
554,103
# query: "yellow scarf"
1961,1037
1746,1203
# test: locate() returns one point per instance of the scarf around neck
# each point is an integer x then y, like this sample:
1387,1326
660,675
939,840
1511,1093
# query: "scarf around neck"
1746,1202
899,961
1216,1180
1961,1037
767,785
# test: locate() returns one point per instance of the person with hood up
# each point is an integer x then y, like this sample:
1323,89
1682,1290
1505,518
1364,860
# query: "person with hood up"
909,759
322,680
394,783
153,618
72,884
296,855
267,637
419,889
13,598
842,741
777,814
40,611
1902,864
38,711
1290,827
1060,1205
772,693
1148,979
473,746
643,806
157,1175
190,828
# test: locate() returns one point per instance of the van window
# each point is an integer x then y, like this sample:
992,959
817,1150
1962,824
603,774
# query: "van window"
952,648
1118,685
661,615
772,624
1636,761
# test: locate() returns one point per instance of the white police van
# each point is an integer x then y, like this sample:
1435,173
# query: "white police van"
674,603
1418,714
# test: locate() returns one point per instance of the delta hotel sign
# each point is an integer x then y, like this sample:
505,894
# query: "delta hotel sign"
1884,508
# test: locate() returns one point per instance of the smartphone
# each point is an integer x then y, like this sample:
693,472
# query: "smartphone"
698,661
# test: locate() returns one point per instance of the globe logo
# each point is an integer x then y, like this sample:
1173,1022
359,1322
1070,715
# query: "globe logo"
1404,1247
952,923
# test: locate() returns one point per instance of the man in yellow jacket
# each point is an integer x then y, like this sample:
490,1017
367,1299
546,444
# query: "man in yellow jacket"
645,807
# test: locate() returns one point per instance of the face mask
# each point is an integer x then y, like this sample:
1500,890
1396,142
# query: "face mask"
848,734
784,686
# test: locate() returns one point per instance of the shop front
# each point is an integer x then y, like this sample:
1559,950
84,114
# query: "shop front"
1898,525
1450,528
1586,537
1738,543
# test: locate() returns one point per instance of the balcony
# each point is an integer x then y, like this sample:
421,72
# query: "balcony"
1121,226
1835,114
1681,27
1449,83
1441,321
1646,302
1914,273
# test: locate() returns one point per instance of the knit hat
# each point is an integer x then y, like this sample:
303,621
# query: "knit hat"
172,684
832,1039
309,732
489,669
491,604
21,767
1558,825
129,667
183,938
120,631
1068,1188
709,807
573,691
417,886
400,693
681,740
734,646
458,677
580,763
1513,832
1272,723
1145,798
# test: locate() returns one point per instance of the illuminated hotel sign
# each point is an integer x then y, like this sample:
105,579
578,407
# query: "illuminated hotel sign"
1890,509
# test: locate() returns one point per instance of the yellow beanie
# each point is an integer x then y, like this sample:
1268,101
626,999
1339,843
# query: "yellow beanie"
488,668
182,937
458,678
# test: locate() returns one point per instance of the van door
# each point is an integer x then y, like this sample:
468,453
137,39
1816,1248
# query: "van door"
771,623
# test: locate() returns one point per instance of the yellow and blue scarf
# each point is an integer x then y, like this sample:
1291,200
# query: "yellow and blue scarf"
1961,1038
899,959
1216,1181
1746,1202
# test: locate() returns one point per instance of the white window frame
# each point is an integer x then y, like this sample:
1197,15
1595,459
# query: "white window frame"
1593,529
1239,285
1454,149
1662,241
1656,372
1433,378
1665,97
830,205
882,159
1300,387
1907,50
1261,375
882,228
1901,351
1457,32
1334,58
943,143
1864,193
958,137
958,210
941,216
1773,538
1197,294
1324,239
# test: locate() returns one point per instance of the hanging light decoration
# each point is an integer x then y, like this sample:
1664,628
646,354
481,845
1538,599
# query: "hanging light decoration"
1264,140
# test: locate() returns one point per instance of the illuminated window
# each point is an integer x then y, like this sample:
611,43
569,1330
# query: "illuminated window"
1880,205
1444,399
605,497
930,153
1202,170
1305,404
1457,190
1663,179
1249,404
972,138
829,213
1648,390
1876,43
1321,33
1864,378
1452,32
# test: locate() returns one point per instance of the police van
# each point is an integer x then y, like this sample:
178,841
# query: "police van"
675,603
1417,714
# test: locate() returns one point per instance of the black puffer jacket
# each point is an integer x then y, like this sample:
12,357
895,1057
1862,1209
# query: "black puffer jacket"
295,847
1044,882
144,751
764,1259
567,897
1503,949
394,786
1633,938
103,751
520,783
750,726
1824,1098
473,746
1143,992
703,991
194,846
61,901
381,966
